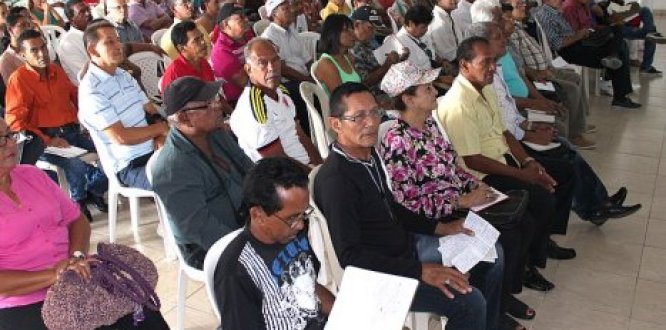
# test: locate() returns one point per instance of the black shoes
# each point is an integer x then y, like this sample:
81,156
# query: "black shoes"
625,102
618,197
535,281
600,216
83,206
559,253
99,202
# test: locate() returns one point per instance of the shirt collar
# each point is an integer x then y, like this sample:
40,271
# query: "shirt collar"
441,12
101,74
467,85
50,72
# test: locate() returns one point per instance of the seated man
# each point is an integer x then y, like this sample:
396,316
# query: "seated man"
182,11
227,54
10,60
191,61
577,48
334,7
199,172
114,108
471,116
266,278
148,16
117,12
42,101
292,51
265,117
462,16
370,230
443,31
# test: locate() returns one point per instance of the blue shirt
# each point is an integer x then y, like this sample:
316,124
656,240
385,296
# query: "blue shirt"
106,99
512,76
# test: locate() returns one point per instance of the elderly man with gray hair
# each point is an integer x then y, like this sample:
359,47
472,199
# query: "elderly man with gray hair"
265,116
199,172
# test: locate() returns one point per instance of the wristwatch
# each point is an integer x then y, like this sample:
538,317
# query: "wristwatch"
78,255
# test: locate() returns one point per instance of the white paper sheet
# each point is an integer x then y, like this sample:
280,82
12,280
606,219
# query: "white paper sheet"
463,251
544,86
391,43
559,63
70,152
371,300
500,197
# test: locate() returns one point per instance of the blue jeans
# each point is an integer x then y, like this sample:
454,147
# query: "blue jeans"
634,33
482,304
134,174
82,177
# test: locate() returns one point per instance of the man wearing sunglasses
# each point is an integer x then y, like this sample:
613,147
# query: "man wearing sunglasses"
267,276
199,172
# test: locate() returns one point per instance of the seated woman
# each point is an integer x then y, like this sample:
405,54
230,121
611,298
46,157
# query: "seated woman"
422,167
42,235
335,66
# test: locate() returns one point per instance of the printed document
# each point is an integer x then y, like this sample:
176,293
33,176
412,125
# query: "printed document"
463,251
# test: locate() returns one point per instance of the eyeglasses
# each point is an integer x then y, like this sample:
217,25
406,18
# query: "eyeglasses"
205,105
373,114
293,220
4,139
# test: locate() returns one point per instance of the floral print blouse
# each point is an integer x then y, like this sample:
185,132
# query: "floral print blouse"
423,169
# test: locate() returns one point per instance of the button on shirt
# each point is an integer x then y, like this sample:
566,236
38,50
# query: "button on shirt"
35,234
34,102
292,49
139,14
554,25
473,121
444,34
259,121
72,53
106,99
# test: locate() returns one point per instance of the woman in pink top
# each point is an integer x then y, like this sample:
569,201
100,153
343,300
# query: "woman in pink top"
42,234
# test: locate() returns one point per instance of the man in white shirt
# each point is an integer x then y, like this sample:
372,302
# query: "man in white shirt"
462,15
71,52
264,118
443,31
292,50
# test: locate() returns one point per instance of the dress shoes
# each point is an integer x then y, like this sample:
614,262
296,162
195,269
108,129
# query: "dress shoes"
612,212
618,197
559,253
535,281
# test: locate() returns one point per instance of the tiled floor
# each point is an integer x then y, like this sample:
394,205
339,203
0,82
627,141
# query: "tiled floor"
618,280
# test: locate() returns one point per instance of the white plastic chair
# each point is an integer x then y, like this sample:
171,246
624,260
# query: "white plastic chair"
185,271
60,172
152,68
318,126
260,25
310,40
263,13
210,264
116,189
52,33
156,37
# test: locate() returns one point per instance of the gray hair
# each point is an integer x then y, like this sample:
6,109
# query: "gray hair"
482,10
247,51
483,29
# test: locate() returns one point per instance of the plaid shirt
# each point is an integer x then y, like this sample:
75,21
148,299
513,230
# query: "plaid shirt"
528,48
553,23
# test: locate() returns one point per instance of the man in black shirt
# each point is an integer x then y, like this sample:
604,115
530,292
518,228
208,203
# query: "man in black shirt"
369,230
267,276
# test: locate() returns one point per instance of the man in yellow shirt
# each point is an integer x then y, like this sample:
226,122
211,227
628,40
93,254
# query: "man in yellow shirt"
471,116
335,7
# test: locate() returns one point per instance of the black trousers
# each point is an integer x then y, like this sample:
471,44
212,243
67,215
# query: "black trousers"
29,317
589,56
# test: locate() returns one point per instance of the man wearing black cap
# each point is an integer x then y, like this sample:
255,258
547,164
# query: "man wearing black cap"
366,22
198,173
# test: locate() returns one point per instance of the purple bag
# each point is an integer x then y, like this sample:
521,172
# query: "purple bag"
123,282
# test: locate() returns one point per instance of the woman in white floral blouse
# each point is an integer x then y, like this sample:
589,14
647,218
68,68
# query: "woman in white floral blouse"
426,178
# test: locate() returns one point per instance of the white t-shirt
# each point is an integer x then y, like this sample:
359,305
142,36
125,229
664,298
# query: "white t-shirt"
444,42
292,49
72,53
259,121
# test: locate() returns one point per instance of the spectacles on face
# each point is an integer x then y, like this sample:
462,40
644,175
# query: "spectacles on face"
294,220
205,105
372,114
4,139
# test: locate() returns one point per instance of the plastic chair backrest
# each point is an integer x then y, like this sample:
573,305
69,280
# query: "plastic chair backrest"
263,13
105,160
330,271
152,68
161,211
260,25
313,69
52,33
545,45
210,264
394,24
319,136
383,129
156,37
310,39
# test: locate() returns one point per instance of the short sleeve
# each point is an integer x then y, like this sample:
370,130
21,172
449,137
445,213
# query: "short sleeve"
96,110
255,130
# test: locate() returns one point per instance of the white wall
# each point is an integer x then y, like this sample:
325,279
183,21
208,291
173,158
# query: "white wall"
654,4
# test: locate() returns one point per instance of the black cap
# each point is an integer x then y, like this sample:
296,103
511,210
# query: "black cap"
227,10
188,89
367,14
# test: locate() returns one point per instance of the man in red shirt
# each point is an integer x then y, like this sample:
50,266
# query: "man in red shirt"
41,100
191,60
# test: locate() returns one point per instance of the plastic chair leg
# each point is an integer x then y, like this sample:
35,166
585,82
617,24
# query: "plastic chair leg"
113,214
134,217
180,304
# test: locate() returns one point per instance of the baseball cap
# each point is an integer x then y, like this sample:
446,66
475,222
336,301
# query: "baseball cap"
272,4
188,89
227,10
404,75
367,14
